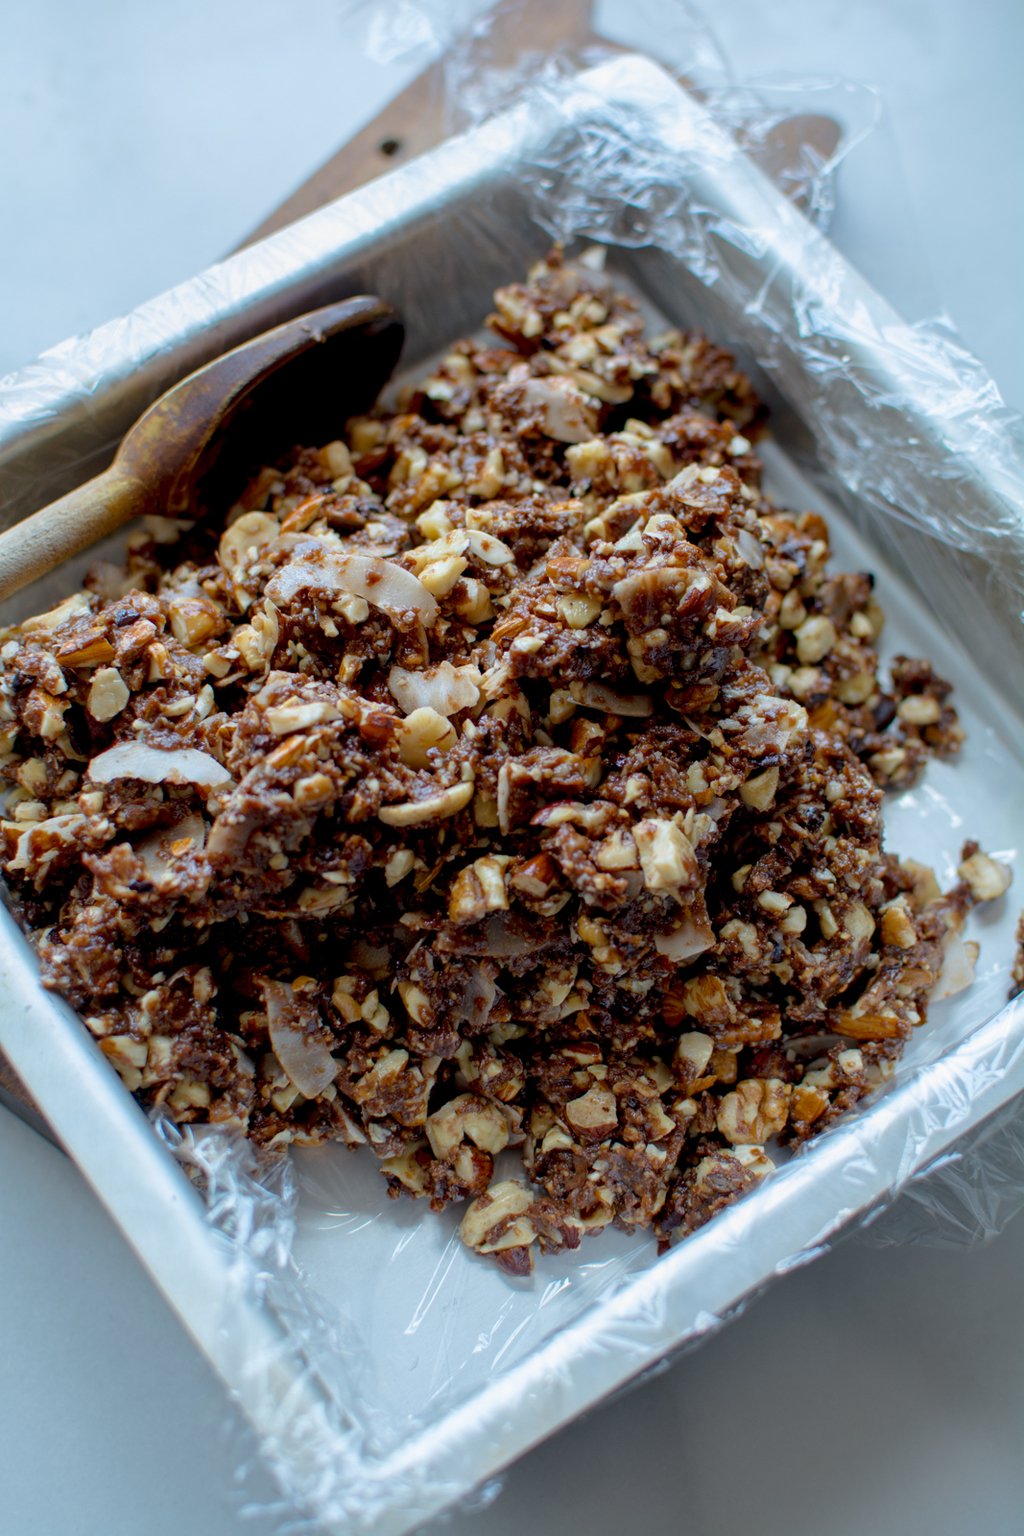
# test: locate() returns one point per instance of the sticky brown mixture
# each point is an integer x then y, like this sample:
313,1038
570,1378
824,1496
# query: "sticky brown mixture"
506,774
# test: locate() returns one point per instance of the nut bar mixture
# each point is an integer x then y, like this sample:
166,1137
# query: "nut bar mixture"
506,774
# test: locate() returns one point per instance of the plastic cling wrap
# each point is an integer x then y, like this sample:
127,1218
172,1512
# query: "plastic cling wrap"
386,1370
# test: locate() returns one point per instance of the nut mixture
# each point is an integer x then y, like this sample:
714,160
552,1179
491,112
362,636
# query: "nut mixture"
506,775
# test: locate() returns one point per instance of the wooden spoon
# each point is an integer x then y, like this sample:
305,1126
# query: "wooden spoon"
192,449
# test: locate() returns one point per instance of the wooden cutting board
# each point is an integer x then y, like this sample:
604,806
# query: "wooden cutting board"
413,122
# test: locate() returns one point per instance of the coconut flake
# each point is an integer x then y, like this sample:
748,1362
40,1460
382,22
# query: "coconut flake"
158,851
478,997
157,765
487,548
318,567
301,1052
565,412
685,942
504,942
443,688
503,801
445,802
751,552
959,959
629,705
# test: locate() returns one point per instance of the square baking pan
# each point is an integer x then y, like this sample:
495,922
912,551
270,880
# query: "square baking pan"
386,1371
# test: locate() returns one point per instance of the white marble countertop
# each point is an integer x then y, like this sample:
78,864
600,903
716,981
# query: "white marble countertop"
879,1390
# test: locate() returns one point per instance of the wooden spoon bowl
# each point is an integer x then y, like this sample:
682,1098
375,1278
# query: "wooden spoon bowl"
193,448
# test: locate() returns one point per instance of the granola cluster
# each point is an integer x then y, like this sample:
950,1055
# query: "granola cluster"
504,775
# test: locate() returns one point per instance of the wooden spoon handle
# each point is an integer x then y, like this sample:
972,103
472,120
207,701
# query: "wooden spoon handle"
53,534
